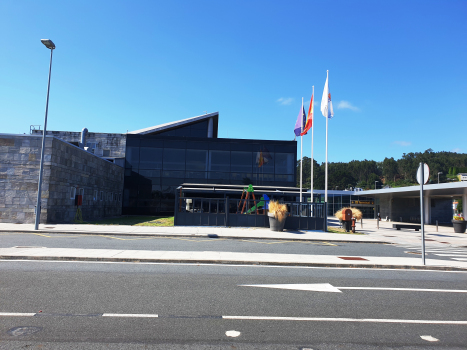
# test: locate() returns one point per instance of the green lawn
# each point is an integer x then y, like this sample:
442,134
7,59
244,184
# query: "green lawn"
341,230
136,221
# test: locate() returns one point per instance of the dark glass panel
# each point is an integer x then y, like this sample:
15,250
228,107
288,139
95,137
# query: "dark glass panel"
284,163
218,175
132,202
203,125
197,145
284,148
198,133
196,159
167,206
168,192
224,146
284,178
132,141
156,192
260,179
241,146
244,178
179,144
219,161
174,159
150,158
264,161
196,175
132,157
183,131
172,175
150,173
131,181
150,141
126,197
241,161
148,203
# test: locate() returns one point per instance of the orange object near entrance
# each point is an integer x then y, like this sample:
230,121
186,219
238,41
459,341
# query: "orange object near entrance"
347,215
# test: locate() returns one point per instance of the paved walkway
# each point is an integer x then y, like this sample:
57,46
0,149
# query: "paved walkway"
444,237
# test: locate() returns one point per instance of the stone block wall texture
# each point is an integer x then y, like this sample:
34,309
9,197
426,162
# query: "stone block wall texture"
65,166
113,144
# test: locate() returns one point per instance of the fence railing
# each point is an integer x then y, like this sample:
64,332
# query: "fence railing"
195,211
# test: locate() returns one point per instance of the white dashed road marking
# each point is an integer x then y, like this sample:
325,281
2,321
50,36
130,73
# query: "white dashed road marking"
428,338
337,319
130,315
17,314
233,334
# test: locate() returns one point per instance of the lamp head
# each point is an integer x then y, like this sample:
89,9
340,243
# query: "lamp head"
48,43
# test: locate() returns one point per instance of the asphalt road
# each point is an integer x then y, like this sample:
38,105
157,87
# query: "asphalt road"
8,240
78,305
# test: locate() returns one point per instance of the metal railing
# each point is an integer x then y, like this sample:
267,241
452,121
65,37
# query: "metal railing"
195,211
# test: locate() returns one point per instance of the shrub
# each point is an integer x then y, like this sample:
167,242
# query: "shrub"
357,214
278,210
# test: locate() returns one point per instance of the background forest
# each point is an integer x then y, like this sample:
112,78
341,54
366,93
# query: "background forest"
389,172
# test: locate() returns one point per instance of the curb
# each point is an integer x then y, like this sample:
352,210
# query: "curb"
193,235
229,262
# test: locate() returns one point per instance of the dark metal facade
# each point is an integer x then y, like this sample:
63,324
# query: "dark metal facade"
156,165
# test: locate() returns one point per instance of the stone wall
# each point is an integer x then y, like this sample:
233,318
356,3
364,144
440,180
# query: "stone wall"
106,145
19,174
65,167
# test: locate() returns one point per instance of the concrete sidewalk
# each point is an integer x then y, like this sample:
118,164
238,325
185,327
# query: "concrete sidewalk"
190,231
214,257
444,237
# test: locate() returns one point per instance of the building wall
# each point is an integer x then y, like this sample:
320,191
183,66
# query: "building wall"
396,208
65,166
441,210
19,174
156,165
73,167
107,145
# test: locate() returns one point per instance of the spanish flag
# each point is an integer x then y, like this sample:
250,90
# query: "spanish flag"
309,118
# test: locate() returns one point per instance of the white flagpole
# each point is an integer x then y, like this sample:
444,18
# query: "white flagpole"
326,171
312,128
301,152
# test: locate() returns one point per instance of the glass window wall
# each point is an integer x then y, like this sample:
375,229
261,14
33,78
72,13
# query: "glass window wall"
156,166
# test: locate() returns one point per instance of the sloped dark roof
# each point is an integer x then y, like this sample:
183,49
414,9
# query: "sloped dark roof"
173,125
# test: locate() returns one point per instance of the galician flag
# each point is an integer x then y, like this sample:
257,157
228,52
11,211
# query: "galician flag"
326,104
300,124
309,118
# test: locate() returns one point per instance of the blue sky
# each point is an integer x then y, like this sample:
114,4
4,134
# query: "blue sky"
397,69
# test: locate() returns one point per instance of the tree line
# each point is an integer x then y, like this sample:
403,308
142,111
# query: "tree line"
367,174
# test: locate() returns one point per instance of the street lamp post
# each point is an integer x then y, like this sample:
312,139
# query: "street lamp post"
50,45
438,175
375,184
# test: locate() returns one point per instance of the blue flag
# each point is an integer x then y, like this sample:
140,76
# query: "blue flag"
301,121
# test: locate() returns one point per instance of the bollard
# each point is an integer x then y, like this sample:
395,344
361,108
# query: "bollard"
377,224
436,225
361,223
400,219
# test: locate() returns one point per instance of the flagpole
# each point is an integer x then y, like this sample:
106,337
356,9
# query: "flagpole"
312,128
301,154
326,170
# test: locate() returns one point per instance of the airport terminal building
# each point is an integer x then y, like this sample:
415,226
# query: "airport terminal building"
140,172
161,158
132,173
